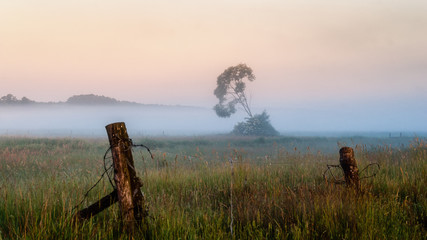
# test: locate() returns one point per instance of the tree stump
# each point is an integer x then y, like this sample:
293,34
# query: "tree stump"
349,166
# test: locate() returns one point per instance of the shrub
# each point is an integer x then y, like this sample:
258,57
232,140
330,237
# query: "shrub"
258,125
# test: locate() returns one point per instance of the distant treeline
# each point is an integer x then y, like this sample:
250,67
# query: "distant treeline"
10,99
81,100
94,99
85,99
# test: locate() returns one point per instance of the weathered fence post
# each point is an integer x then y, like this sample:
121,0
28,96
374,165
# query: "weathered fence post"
349,165
127,192
131,200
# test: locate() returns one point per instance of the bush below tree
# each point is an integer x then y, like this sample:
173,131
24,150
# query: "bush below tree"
258,125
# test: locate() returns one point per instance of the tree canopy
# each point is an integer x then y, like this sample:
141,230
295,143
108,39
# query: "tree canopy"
230,90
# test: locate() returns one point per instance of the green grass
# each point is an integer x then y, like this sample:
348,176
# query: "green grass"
278,189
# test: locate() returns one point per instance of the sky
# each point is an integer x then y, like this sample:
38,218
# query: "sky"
306,54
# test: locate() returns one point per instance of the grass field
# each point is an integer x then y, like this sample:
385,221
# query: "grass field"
277,187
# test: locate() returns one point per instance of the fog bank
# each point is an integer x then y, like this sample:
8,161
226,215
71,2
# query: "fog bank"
301,119
69,120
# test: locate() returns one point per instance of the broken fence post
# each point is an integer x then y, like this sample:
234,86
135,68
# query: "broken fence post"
349,166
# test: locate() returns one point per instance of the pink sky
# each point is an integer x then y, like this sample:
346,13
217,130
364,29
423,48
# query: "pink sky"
170,52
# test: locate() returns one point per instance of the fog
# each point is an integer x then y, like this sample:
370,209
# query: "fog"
66,120
325,119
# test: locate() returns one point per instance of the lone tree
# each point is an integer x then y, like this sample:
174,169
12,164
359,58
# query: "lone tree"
230,92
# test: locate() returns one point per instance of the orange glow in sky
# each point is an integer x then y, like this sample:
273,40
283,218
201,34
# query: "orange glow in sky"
170,52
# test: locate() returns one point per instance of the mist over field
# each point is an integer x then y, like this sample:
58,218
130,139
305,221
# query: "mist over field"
326,135
68,120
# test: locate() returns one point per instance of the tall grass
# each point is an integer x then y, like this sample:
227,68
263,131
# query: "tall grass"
278,189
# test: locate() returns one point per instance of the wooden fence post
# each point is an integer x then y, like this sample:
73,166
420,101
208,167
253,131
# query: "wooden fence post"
349,165
131,200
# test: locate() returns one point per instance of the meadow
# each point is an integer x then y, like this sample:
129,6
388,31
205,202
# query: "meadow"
217,187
